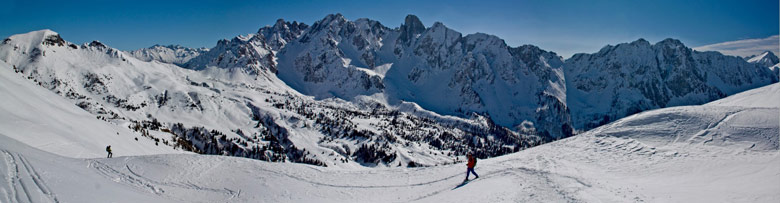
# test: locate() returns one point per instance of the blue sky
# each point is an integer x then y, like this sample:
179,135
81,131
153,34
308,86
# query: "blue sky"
565,27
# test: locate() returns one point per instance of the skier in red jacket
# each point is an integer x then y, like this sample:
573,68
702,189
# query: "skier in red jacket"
472,161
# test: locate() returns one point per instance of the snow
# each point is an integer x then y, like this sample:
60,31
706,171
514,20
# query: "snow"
632,77
124,91
52,150
437,67
42,119
767,96
174,54
657,156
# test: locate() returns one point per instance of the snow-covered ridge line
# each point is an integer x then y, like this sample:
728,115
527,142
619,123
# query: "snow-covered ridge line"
175,54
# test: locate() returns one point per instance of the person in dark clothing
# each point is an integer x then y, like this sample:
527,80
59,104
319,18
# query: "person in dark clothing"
472,161
108,149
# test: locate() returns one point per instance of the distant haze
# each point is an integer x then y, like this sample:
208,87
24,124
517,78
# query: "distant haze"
746,47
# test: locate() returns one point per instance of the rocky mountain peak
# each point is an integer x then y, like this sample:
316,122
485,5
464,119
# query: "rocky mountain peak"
281,33
770,55
671,43
280,24
250,54
438,26
332,20
54,39
641,42
97,44
27,42
766,59
411,28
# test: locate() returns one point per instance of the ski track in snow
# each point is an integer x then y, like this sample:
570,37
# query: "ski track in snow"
142,183
24,184
547,176
558,184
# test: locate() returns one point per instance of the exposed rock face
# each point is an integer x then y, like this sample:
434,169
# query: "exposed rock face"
282,33
410,29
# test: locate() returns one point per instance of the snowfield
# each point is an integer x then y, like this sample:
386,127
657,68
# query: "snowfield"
39,118
724,151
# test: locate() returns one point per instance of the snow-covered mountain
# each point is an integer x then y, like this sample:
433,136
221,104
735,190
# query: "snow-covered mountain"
241,55
252,55
766,59
356,93
282,32
316,64
632,77
175,54
518,87
725,150
224,109
47,121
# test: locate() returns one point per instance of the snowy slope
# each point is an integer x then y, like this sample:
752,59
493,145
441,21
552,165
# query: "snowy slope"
680,154
44,120
767,96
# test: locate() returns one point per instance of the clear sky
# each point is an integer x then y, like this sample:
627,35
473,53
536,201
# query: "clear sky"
565,27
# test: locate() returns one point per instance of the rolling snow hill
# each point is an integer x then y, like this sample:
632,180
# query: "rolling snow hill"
723,151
